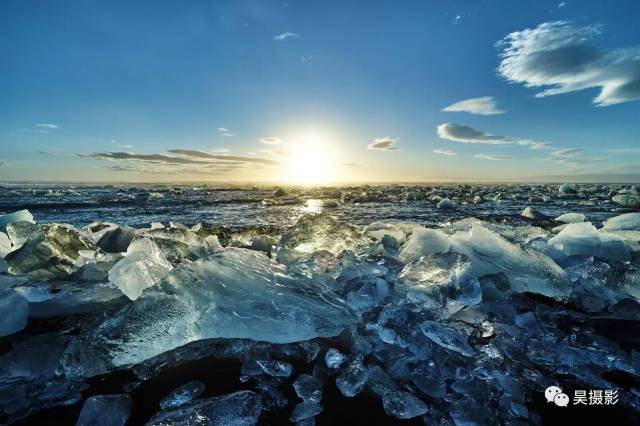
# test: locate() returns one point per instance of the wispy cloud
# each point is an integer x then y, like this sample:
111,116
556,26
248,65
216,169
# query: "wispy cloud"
493,157
179,161
352,165
285,36
571,157
223,131
271,140
485,105
47,125
562,57
384,144
562,4
469,135
465,134
444,152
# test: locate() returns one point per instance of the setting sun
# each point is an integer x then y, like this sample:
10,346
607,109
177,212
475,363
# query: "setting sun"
310,161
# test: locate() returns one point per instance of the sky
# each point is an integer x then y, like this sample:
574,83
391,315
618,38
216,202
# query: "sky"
304,91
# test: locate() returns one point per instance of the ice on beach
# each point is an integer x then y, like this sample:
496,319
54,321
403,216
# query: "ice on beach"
275,368
5,245
570,218
179,244
113,238
567,189
583,239
447,337
446,204
18,216
182,395
51,252
334,358
403,405
623,222
105,410
316,232
305,410
533,214
443,283
526,269
353,378
19,232
308,388
142,267
424,242
14,310
236,293
241,408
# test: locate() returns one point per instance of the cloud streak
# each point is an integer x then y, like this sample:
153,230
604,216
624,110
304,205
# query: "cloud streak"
485,105
448,152
562,58
285,36
272,140
384,144
493,157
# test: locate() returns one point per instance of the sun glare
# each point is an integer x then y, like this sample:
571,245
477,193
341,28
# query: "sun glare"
310,161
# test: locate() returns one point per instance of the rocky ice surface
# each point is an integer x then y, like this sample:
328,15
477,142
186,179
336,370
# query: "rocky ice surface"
464,323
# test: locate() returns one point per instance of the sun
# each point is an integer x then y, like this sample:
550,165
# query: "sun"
310,161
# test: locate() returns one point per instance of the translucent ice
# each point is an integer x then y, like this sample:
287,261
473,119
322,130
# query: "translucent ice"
570,218
353,378
308,388
114,238
182,395
403,405
5,245
275,368
424,242
624,222
526,269
446,204
19,216
241,408
50,252
14,310
334,358
105,410
583,239
305,410
142,267
444,283
447,337
236,293
316,232
19,232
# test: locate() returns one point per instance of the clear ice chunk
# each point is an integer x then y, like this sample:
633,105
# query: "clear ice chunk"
182,395
316,232
275,368
334,358
241,408
444,283
143,266
570,218
105,410
447,337
14,311
583,239
18,216
305,410
353,378
236,293
403,405
623,222
308,388
424,242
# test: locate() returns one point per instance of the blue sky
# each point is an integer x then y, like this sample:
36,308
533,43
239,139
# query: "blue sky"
233,90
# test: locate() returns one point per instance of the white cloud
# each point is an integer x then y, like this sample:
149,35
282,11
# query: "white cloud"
47,125
484,105
571,156
562,4
493,157
464,134
384,144
561,58
285,36
223,131
444,152
272,140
